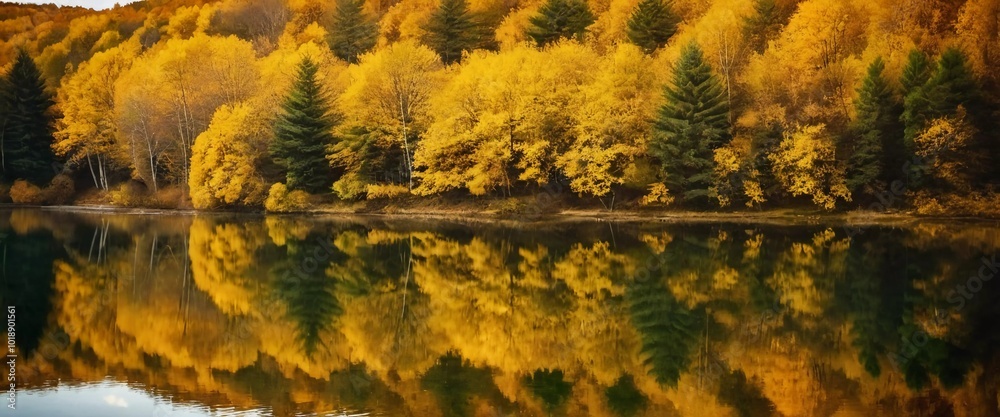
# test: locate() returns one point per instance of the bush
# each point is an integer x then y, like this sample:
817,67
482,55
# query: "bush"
510,207
374,191
280,200
24,192
60,190
126,196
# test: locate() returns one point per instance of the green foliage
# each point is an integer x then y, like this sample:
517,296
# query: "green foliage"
651,25
953,85
549,386
303,132
690,126
27,124
876,133
560,19
764,24
744,395
451,30
624,398
669,331
308,294
916,75
352,33
454,382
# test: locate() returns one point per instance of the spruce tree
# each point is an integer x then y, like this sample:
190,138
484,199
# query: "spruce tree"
26,141
353,33
690,126
916,75
303,132
651,25
559,19
953,85
932,95
877,136
763,24
451,30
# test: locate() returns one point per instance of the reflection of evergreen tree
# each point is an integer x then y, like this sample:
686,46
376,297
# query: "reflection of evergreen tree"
669,331
27,284
301,283
454,382
868,303
549,387
744,395
624,398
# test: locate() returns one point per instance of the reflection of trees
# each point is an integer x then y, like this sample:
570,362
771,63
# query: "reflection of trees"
27,283
549,386
624,399
306,291
744,395
669,331
798,320
455,382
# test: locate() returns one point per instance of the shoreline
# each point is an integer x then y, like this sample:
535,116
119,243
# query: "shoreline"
777,216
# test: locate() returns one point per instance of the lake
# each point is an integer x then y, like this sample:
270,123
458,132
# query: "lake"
195,315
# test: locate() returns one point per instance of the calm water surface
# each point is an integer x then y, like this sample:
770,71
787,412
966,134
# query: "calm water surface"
171,315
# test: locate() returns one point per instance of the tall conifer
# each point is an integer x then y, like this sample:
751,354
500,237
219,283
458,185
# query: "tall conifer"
303,132
27,124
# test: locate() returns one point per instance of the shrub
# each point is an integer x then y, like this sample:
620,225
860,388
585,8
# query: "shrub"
374,191
60,190
126,196
24,192
280,200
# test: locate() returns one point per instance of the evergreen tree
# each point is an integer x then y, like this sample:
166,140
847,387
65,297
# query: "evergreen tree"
763,24
451,30
953,85
26,141
690,126
916,76
933,95
559,19
877,137
303,132
353,33
651,25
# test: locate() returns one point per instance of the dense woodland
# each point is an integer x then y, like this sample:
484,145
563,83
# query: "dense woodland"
883,105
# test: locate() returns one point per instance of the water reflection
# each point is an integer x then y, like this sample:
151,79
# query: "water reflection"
287,316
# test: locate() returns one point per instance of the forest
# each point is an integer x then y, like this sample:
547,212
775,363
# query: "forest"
289,105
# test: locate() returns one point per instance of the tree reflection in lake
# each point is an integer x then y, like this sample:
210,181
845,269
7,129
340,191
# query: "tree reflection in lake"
306,315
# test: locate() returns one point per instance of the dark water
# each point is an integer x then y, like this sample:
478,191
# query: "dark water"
130,315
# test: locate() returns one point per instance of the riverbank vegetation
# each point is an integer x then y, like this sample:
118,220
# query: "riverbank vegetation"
700,105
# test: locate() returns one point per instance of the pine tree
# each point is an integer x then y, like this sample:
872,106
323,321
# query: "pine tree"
303,132
690,126
876,132
916,75
651,25
763,24
559,19
26,141
953,85
451,30
353,33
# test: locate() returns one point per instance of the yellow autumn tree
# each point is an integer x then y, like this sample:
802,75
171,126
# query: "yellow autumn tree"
88,132
504,117
805,164
612,124
388,98
224,159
